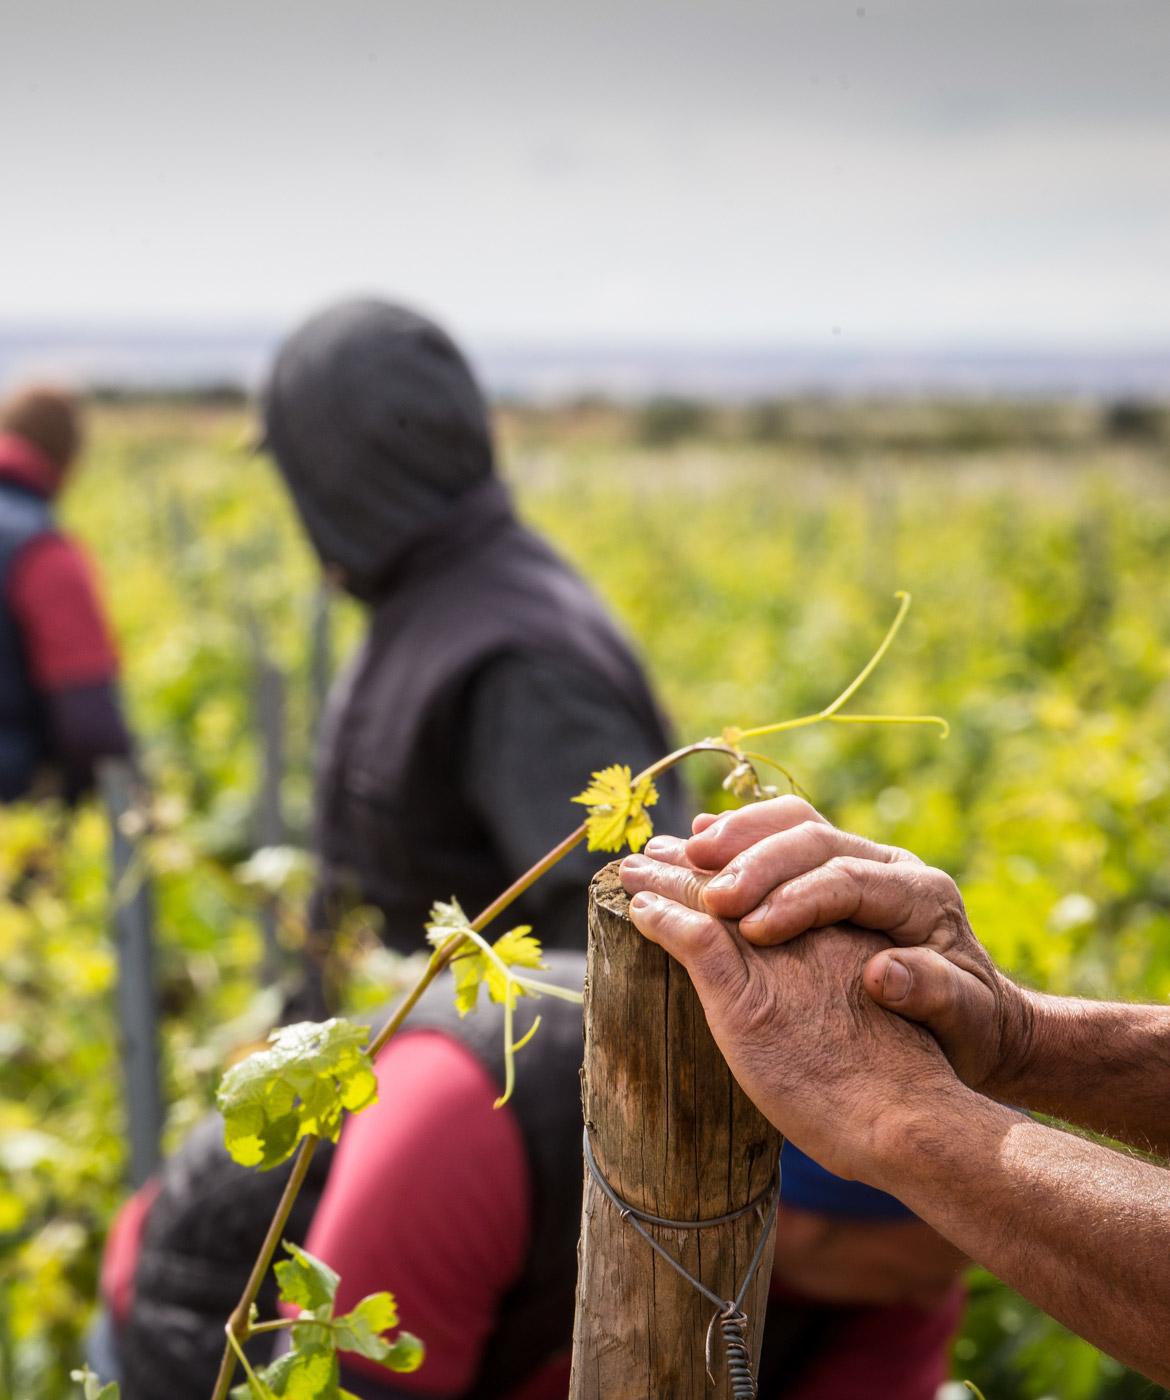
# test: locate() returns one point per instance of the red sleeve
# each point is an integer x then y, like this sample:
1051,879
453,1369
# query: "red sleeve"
53,597
123,1244
428,1196
897,1350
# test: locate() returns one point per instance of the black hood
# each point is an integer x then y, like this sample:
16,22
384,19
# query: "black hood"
378,427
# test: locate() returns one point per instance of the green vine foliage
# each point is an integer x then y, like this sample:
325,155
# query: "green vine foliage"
92,1387
1050,804
310,1075
297,1090
309,1370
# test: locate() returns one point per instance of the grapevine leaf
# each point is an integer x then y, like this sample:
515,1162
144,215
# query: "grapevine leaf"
445,920
360,1329
469,970
299,1085
516,948
617,809
252,1388
311,1333
309,1369
406,1354
93,1388
307,1282
472,967
308,1372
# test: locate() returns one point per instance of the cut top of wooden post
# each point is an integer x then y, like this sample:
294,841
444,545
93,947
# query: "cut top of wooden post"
671,1129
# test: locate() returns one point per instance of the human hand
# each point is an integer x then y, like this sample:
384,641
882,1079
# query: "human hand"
783,869
828,1067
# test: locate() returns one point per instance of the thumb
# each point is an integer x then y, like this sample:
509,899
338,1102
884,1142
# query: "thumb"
703,944
922,985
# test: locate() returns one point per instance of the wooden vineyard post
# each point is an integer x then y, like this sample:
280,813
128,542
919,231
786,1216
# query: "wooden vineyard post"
269,709
673,1135
133,930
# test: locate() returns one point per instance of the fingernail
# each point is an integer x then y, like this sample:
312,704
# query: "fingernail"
635,863
657,845
721,882
642,901
896,982
756,916
714,829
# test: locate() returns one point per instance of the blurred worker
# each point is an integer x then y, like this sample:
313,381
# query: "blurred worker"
470,1215
59,706
491,682
785,925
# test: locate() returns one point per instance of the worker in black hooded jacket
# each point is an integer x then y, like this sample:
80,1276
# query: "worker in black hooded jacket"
491,682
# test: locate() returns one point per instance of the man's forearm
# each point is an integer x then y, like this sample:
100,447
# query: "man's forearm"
1101,1065
1079,1229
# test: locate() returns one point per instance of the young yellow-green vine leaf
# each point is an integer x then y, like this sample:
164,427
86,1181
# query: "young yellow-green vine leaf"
91,1385
307,1282
406,1354
516,948
617,809
310,1073
473,966
499,966
361,1330
309,1370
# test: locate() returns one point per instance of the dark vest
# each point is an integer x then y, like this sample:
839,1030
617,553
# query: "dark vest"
206,1225
23,745
392,828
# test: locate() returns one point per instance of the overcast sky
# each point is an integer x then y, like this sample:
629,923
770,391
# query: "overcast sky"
954,171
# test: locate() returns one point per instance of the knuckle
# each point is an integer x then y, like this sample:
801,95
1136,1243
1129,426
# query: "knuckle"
691,887
817,837
848,869
790,810
827,891
900,856
942,888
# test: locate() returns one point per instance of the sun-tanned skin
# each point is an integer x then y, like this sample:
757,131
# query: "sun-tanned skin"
1082,1230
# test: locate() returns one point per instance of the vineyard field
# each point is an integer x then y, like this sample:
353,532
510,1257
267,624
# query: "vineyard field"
753,555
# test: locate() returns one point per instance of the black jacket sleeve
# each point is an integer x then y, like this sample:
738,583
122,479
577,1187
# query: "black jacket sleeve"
537,727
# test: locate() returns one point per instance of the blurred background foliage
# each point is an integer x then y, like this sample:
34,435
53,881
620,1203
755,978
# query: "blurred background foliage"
753,554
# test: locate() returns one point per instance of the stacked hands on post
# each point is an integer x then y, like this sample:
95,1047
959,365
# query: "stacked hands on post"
843,1035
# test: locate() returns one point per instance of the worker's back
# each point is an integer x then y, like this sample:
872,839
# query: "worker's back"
24,516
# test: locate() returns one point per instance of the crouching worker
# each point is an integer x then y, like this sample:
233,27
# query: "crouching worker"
59,707
470,1216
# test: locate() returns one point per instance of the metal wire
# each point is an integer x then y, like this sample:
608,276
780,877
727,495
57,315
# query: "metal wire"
730,1318
736,1356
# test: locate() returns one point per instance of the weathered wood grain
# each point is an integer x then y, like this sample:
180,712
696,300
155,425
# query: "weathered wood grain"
674,1135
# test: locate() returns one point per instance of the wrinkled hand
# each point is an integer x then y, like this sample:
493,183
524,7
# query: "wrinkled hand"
826,1065
782,870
